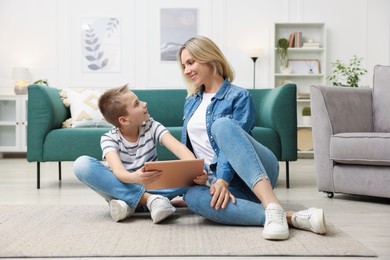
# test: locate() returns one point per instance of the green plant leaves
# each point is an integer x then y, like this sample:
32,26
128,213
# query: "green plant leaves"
347,74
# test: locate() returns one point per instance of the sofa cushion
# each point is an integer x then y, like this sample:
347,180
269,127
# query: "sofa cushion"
164,105
162,152
361,148
381,98
67,144
84,110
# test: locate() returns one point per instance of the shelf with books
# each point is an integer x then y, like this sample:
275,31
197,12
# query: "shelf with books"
307,66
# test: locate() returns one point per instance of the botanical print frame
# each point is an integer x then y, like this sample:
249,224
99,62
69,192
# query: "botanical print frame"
304,66
176,26
100,44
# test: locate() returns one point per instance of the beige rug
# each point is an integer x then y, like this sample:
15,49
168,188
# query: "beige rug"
88,231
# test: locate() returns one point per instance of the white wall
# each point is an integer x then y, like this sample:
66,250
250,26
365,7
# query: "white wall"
44,35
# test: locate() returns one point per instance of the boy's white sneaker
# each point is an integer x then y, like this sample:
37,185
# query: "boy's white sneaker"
275,227
160,208
311,219
119,210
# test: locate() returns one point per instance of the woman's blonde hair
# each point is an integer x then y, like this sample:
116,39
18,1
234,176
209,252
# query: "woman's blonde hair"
204,50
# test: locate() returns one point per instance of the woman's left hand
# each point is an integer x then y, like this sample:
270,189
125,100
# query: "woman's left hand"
220,194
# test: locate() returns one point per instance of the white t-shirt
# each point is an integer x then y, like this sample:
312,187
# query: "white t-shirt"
197,133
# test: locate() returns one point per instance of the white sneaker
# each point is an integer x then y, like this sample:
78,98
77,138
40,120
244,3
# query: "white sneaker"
310,219
119,210
275,227
160,208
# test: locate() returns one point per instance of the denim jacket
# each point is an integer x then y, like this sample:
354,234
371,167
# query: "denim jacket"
230,101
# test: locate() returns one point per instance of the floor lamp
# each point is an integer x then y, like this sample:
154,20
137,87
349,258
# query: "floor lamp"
254,71
255,54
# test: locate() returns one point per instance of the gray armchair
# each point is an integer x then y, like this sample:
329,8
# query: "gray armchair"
351,137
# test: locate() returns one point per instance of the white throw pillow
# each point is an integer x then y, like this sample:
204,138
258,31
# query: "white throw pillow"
84,110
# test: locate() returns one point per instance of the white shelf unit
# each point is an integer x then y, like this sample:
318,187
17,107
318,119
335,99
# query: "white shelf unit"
303,79
13,123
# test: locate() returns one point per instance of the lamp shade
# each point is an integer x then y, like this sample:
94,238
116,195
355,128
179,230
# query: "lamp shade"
256,53
21,73
22,76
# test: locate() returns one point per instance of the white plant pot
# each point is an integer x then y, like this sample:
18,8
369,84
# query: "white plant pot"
285,70
306,120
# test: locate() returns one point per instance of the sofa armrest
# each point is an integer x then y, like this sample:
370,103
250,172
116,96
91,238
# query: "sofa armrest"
336,110
46,112
277,109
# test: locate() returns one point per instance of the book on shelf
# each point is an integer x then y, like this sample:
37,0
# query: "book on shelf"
311,45
298,40
291,40
295,40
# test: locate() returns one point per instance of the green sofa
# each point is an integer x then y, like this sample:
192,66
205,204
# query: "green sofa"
276,124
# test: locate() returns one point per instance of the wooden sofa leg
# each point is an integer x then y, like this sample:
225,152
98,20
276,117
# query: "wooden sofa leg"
38,175
287,175
59,171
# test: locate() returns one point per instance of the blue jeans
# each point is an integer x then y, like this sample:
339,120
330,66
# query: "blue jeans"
251,161
102,180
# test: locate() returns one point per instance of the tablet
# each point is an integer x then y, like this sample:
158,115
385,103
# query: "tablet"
175,173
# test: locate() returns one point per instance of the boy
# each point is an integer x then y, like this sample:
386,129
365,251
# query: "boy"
126,147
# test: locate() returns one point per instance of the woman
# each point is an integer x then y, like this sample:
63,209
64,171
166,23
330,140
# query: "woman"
218,119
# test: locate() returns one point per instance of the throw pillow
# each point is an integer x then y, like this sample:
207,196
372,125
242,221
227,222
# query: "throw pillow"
83,105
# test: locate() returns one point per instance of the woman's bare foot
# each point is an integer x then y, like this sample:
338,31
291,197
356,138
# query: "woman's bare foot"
178,202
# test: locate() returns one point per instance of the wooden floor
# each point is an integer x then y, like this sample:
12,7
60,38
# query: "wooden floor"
365,219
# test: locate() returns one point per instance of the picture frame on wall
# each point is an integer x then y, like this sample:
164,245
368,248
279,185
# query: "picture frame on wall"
100,44
177,25
304,66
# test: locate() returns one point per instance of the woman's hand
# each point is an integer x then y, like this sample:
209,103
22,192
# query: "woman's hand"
201,179
143,177
220,194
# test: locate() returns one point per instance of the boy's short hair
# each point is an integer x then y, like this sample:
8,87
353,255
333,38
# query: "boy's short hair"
112,105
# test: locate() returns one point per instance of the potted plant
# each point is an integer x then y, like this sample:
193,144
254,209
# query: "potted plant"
42,82
347,75
306,115
282,51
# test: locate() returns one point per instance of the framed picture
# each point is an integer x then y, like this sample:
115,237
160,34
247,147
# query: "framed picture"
304,66
177,26
170,24
100,44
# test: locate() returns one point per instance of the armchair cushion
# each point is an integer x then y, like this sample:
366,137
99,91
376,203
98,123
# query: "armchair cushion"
381,97
361,148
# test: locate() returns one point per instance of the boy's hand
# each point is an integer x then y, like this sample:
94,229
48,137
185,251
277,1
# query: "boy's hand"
145,177
201,179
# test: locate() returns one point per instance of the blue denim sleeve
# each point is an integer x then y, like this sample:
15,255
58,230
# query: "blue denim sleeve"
224,170
244,112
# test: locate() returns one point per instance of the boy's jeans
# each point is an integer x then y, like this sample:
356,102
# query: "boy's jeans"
102,180
251,161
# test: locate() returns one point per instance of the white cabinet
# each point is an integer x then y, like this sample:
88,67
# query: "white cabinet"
13,123
306,67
